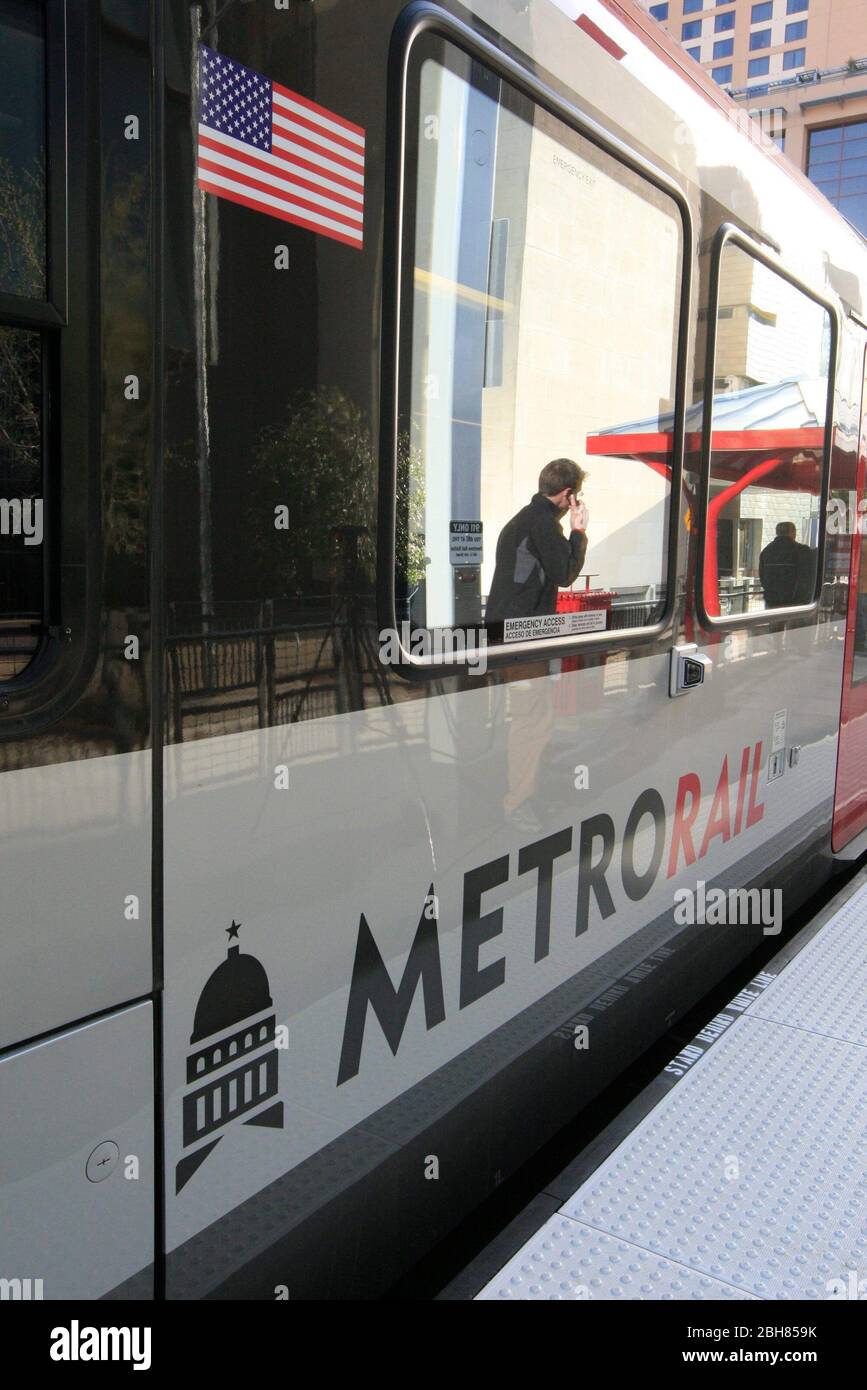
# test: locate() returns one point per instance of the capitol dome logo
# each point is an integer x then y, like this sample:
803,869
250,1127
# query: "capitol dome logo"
232,1068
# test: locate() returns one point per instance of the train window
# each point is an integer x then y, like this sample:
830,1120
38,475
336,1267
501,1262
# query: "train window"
768,448
538,357
22,149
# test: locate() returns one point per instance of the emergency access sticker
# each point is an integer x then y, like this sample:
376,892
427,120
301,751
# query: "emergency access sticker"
553,625
778,732
465,542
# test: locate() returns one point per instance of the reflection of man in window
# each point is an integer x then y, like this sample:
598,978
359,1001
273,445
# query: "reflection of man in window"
534,558
787,570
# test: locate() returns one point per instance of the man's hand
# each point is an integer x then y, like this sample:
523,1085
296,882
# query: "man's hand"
578,514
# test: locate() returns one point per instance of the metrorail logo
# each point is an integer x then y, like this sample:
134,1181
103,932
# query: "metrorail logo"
734,809
77,1343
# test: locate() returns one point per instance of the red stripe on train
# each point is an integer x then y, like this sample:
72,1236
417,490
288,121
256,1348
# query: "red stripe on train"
586,23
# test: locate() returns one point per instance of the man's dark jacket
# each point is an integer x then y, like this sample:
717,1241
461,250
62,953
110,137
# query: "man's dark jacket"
787,572
534,560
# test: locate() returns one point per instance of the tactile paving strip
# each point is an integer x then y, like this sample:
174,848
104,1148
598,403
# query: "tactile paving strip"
570,1261
753,1169
824,989
749,1178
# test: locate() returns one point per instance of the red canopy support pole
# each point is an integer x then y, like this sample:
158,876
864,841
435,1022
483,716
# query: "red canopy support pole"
715,506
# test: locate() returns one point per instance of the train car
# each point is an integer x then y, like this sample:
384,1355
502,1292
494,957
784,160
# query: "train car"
327,898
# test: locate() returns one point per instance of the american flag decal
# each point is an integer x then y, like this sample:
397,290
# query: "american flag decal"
272,150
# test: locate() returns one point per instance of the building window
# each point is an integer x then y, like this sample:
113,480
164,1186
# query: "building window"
694,53
761,38
659,11
758,67
617,288
772,364
690,6
798,30
723,48
761,13
795,58
797,6
724,22
837,164
723,74
692,30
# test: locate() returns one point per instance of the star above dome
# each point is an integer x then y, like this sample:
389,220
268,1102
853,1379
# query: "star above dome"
236,990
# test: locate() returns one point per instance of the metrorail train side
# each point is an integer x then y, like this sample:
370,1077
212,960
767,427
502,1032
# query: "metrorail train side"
326,898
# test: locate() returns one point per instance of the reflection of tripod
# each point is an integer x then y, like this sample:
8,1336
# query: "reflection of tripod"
347,629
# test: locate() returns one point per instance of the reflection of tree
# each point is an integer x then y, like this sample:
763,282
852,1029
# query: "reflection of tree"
22,272
126,347
322,465
20,433
22,230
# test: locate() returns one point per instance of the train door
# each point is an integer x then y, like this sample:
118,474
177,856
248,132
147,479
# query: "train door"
76,391
850,801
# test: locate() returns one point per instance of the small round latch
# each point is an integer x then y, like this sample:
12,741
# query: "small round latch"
102,1161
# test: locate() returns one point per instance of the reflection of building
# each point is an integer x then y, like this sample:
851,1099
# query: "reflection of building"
546,300
800,66
233,1054
770,384
766,332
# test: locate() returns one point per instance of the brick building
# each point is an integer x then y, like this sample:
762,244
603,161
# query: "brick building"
798,65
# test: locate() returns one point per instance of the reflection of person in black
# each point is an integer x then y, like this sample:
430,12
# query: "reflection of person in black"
534,558
787,570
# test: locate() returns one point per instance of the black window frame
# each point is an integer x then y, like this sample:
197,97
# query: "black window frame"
423,19
69,318
47,315
729,234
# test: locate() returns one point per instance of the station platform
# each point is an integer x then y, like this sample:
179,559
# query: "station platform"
740,1172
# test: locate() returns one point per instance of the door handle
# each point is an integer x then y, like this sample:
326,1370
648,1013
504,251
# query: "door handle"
688,669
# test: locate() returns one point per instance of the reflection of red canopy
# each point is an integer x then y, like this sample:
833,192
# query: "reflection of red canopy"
786,459
733,450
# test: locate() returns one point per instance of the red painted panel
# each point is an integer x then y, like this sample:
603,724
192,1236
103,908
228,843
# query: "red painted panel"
850,797
584,22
